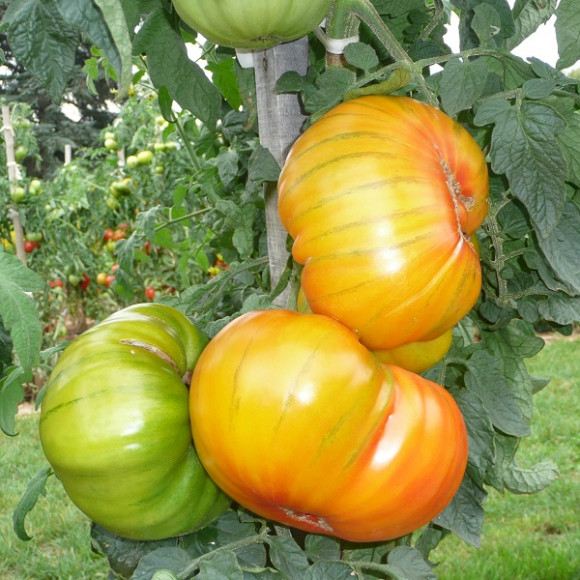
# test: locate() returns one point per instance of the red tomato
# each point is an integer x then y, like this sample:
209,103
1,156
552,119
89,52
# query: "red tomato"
118,235
380,196
109,280
86,280
30,246
297,421
150,293
108,235
56,283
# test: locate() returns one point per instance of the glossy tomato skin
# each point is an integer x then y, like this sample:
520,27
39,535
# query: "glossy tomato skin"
252,23
300,423
380,196
417,357
114,425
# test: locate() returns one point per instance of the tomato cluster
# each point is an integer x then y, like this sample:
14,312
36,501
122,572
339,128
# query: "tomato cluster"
315,418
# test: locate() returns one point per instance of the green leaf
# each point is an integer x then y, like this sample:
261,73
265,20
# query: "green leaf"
331,86
462,83
222,565
225,79
569,140
262,166
525,148
532,480
464,514
11,395
407,563
528,15
560,308
429,539
480,433
320,547
164,575
539,88
323,570
568,33
486,380
17,309
36,487
227,164
123,554
562,246
287,556
169,66
168,558
121,48
43,42
361,55
486,24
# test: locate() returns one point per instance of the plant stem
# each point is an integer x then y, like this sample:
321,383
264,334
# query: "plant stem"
184,218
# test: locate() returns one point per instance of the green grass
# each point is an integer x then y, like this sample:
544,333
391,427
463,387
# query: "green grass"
60,546
524,537
533,537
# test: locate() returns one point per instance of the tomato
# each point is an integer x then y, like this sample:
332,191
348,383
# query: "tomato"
119,188
144,157
150,293
108,234
102,278
30,246
132,161
380,196
34,236
417,356
20,152
35,187
298,422
56,283
17,194
109,280
114,425
111,144
110,245
86,280
252,23
118,235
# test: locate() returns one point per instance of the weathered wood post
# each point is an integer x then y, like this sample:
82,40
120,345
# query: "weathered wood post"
280,120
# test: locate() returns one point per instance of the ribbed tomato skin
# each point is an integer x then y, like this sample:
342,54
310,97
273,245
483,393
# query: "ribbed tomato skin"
294,419
252,23
380,196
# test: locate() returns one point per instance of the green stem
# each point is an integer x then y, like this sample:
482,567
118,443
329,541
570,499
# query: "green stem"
184,218
339,26
194,158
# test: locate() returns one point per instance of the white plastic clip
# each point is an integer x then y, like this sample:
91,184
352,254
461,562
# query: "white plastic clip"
245,57
334,45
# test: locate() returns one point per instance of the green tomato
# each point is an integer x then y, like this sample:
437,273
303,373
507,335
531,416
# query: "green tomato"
17,194
34,236
20,152
111,144
35,187
112,203
119,188
252,23
114,425
144,157
132,161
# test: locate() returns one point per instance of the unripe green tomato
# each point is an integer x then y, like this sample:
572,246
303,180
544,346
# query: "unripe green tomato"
112,203
20,152
144,157
74,280
110,245
34,236
159,146
132,161
114,425
35,187
17,194
109,135
252,23
111,144
119,188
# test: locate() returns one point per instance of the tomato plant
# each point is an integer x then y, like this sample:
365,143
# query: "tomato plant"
355,449
115,427
252,24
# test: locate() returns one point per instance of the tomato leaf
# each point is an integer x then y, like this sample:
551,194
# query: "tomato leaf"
287,556
168,558
527,18
170,66
464,514
462,83
11,395
224,78
569,140
525,148
123,554
480,433
562,246
407,563
17,308
117,43
486,380
319,547
43,41
262,166
323,570
567,33
361,55
35,489
220,565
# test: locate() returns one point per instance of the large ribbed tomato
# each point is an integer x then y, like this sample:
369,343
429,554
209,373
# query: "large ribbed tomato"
380,196
115,426
298,422
252,23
